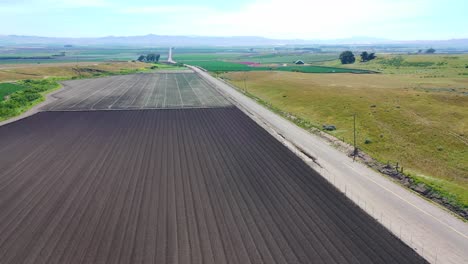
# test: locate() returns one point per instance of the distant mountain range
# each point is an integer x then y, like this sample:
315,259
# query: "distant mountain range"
160,40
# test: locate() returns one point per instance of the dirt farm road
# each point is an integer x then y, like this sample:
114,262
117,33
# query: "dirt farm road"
432,231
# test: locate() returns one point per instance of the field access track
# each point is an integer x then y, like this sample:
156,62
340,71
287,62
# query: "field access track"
137,91
172,186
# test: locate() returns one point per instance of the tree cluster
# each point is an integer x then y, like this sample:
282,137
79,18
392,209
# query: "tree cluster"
347,57
149,58
367,56
430,51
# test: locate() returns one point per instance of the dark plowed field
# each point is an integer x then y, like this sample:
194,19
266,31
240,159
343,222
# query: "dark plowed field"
172,186
137,91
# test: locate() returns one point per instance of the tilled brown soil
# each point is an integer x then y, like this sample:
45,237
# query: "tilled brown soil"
172,186
137,91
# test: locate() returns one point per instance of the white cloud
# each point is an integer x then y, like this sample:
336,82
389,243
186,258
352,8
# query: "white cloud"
44,6
174,10
309,19
306,19
79,3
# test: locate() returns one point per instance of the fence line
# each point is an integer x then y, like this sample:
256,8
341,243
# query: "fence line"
399,230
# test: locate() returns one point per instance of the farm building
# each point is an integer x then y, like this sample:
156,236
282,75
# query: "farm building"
299,62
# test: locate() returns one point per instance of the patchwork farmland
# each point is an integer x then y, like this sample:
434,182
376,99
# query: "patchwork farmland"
197,183
224,66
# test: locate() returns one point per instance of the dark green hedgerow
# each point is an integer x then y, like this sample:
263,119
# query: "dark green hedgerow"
8,88
25,98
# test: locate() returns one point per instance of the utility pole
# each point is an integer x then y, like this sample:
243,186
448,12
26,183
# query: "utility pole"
245,84
355,149
77,67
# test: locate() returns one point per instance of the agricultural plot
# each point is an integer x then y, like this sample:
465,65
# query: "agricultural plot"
224,66
44,55
9,88
173,89
173,186
290,57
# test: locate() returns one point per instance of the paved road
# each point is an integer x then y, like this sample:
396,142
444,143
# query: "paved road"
433,232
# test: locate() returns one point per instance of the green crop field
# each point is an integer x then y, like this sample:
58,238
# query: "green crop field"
187,57
289,57
9,88
419,122
265,61
11,55
27,94
223,66
263,58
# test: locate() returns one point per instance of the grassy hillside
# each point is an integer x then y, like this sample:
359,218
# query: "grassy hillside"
431,67
86,69
419,122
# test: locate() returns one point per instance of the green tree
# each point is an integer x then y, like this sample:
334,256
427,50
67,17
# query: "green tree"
142,58
150,57
367,56
430,51
364,56
347,57
153,57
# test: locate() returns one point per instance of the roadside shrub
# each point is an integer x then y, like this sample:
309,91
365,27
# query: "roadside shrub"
31,96
20,100
367,141
400,62
395,62
329,127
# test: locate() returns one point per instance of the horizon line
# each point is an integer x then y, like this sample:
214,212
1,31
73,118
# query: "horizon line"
380,39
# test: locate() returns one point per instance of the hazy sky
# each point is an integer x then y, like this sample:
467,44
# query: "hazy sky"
305,19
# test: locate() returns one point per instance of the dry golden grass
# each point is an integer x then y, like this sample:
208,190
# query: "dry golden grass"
430,66
37,71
